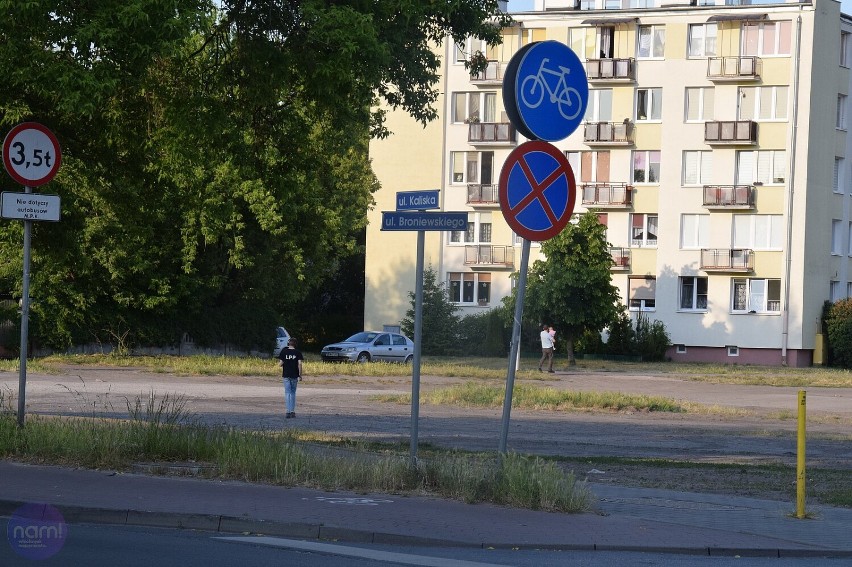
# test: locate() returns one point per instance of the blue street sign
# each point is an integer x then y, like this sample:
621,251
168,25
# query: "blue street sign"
401,220
545,91
417,200
537,190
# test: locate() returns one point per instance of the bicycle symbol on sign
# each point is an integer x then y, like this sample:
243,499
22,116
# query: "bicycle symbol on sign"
534,87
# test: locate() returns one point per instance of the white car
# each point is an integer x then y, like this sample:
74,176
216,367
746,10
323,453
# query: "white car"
281,338
370,345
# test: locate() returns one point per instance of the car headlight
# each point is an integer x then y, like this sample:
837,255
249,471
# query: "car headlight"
349,349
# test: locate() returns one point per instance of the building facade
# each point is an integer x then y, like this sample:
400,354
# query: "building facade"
715,149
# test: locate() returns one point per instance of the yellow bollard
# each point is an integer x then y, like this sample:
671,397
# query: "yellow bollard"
800,458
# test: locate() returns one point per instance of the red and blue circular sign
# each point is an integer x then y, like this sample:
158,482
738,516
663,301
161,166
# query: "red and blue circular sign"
545,91
537,191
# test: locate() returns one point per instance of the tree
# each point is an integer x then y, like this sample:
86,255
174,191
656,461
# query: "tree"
215,166
572,288
440,323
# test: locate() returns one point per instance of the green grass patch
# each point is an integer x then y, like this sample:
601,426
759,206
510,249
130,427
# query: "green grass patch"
472,394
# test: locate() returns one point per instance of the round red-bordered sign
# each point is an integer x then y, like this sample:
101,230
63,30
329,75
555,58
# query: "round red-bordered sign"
537,190
31,154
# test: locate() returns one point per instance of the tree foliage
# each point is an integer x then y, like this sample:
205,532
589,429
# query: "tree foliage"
215,163
571,288
440,319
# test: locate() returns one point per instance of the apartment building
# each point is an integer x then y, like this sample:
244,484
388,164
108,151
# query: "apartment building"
715,148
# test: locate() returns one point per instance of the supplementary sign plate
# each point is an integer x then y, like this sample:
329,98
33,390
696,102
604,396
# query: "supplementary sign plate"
30,206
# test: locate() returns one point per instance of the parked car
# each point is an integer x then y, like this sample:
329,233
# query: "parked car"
370,345
281,338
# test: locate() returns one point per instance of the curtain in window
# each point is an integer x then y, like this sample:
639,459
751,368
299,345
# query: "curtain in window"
746,103
602,169
690,168
740,295
757,295
489,112
745,168
645,41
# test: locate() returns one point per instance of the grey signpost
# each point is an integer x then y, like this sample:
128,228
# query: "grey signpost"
410,215
31,156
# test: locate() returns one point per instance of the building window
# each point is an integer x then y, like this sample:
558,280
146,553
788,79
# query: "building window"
693,293
849,233
680,349
643,229
589,167
756,295
834,291
836,237
599,107
467,287
474,107
652,42
471,167
844,49
841,112
837,182
649,104
646,167
766,38
605,42
733,350
697,167
848,289
478,230
694,231
699,104
758,232
762,103
766,167
642,293
702,40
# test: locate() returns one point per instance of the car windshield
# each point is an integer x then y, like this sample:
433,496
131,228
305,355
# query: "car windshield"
362,337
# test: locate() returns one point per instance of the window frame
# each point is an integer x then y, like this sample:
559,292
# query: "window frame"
757,113
473,234
749,303
756,155
652,95
458,294
840,119
778,27
644,305
649,166
657,32
703,170
644,242
703,52
703,114
701,235
774,227
694,293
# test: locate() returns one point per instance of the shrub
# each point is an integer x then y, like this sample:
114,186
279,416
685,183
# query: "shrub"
839,326
652,340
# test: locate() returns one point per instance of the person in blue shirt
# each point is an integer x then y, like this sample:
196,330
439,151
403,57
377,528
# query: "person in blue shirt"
290,361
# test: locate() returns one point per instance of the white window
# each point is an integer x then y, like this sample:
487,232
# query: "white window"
766,38
694,230
465,287
702,40
605,43
649,104
693,293
837,182
758,232
848,289
680,349
471,167
756,295
697,167
642,293
849,234
644,229
652,42
699,104
646,166
836,237
599,107
589,167
844,49
841,112
474,107
733,350
478,230
765,166
762,103
834,291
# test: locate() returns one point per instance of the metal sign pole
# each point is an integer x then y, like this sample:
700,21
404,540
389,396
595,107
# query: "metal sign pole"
25,320
418,338
514,353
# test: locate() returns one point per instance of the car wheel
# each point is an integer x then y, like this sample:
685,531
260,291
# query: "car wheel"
363,357
409,358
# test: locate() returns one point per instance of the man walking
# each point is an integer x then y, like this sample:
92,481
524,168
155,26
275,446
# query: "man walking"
546,349
290,361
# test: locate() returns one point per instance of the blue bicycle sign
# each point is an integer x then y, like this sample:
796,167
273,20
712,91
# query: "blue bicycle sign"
546,91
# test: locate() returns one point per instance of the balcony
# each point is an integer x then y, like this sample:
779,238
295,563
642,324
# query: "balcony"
733,69
490,133
727,259
729,196
731,133
608,133
479,194
492,75
611,70
620,258
607,195
490,256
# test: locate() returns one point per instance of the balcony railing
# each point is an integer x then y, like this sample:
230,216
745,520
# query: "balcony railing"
732,132
607,194
483,194
729,196
493,73
479,132
620,258
608,133
733,68
611,69
727,259
485,254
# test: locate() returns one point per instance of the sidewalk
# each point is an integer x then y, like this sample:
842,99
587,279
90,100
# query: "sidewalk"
626,519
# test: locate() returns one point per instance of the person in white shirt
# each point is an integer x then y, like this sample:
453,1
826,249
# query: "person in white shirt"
546,349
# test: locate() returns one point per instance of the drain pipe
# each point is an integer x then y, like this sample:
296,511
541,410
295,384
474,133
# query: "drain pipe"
788,260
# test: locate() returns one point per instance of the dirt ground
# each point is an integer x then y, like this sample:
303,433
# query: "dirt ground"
751,452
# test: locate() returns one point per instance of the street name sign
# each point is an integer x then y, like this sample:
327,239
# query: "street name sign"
417,200
405,220
30,206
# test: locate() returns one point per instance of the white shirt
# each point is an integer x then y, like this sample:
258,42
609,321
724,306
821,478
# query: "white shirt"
546,339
